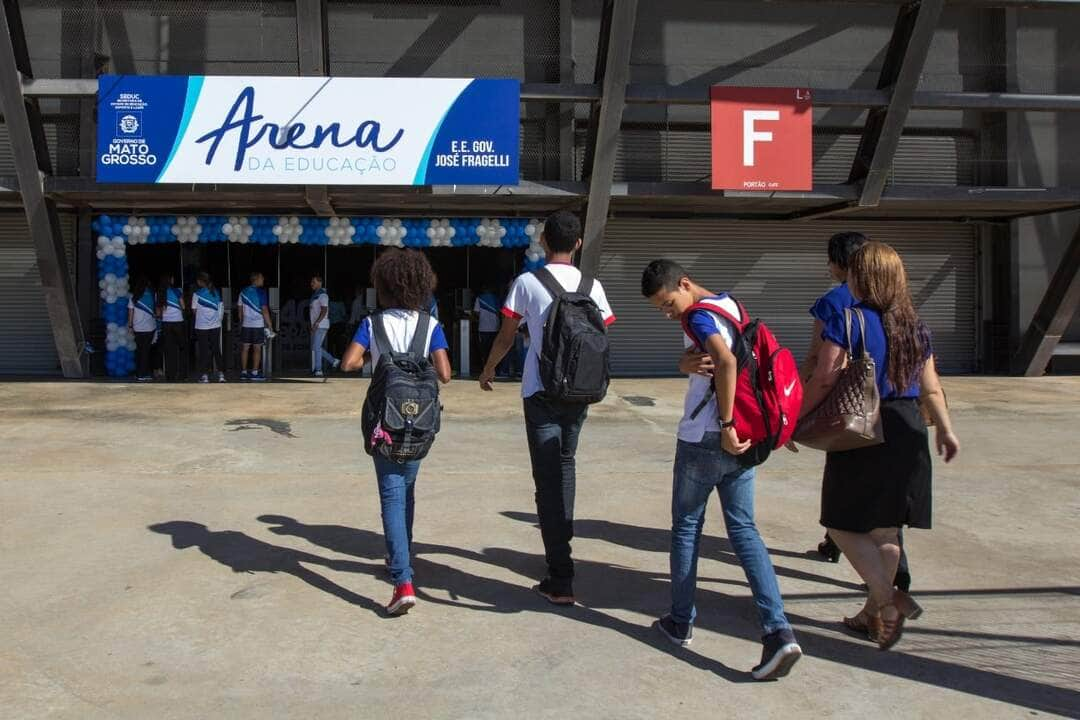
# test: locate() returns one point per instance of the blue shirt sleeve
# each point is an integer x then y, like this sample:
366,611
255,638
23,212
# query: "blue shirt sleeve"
835,330
832,303
264,298
703,326
438,339
363,334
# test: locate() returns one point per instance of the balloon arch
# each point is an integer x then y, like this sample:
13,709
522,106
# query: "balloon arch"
115,233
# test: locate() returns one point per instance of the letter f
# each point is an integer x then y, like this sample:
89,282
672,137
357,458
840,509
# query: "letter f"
751,136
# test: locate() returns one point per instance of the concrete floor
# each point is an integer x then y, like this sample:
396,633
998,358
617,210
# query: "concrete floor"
190,551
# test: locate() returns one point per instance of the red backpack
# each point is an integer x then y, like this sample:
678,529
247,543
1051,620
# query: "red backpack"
768,392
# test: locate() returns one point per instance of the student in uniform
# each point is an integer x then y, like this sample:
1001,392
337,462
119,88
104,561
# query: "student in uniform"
318,315
207,303
171,305
255,328
486,308
706,458
403,280
142,320
552,429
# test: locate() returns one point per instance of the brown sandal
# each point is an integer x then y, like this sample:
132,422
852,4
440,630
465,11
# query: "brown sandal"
891,630
864,624
906,605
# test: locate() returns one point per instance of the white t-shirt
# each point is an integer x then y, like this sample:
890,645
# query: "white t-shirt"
207,309
530,301
708,420
143,319
400,326
319,301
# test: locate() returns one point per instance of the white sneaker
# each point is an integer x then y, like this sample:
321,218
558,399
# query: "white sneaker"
318,373
337,363
204,379
221,377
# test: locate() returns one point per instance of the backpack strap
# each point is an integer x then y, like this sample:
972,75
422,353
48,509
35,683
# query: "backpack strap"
554,288
585,286
419,343
738,324
378,331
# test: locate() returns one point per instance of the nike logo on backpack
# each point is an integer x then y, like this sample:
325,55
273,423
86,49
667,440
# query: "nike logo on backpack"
789,388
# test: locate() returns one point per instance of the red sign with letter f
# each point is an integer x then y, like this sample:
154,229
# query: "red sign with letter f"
762,139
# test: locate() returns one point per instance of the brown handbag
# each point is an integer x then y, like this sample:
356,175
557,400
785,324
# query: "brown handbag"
850,415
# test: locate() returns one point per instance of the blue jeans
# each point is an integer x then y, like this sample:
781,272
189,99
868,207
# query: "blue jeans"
317,353
396,483
700,467
552,430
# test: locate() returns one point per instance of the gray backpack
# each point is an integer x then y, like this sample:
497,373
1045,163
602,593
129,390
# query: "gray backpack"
401,412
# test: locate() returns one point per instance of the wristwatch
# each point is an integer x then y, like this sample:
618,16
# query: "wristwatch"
727,423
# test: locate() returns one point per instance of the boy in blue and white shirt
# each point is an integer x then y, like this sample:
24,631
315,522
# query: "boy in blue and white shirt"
255,327
208,305
707,458
319,316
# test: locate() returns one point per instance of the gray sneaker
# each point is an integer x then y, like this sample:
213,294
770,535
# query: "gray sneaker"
779,653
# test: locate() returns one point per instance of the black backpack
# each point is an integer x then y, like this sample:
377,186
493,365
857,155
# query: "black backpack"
574,355
401,410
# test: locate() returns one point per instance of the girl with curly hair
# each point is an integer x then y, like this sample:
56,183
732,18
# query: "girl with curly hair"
404,282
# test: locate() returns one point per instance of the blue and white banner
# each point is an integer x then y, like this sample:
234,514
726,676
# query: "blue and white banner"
301,130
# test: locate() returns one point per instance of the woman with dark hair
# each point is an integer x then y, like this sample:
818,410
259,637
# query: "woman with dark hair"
171,307
403,282
869,493
142,320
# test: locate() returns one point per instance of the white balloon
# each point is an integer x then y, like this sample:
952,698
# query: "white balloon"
329,232
103,240
334,222
350,231
451,232
100,254
481,231
380,232
445,222
430,232
530,230
502,232
293,220
440,232
403,231
111,327
396,222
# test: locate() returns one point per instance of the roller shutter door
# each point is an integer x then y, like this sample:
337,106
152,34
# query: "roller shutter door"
26,340
777,270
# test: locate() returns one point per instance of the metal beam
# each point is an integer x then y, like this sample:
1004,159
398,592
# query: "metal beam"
313,58
601,166
1051,320
903,66
31,164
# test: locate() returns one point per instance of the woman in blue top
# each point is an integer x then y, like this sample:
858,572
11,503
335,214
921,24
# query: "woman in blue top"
403,281
869,493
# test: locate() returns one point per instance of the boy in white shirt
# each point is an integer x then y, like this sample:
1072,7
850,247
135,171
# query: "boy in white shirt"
552,428
319,315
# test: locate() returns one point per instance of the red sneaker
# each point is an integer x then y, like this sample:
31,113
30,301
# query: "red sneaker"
403,600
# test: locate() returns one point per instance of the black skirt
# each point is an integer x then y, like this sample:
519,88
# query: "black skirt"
885,485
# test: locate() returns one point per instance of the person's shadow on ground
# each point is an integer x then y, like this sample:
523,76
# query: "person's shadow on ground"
600,587
245,554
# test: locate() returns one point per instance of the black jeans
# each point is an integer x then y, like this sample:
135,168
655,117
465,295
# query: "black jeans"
175,334
144,343
208,343
552,430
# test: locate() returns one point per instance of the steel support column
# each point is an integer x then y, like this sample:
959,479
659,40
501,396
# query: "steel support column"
613,65
31,156
904,61
313,50
1051,320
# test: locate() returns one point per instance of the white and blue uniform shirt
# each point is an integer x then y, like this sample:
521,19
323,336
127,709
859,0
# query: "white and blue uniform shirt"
400,327
144,319
174,308
252,301
207,309
487,309
319,301
704,324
